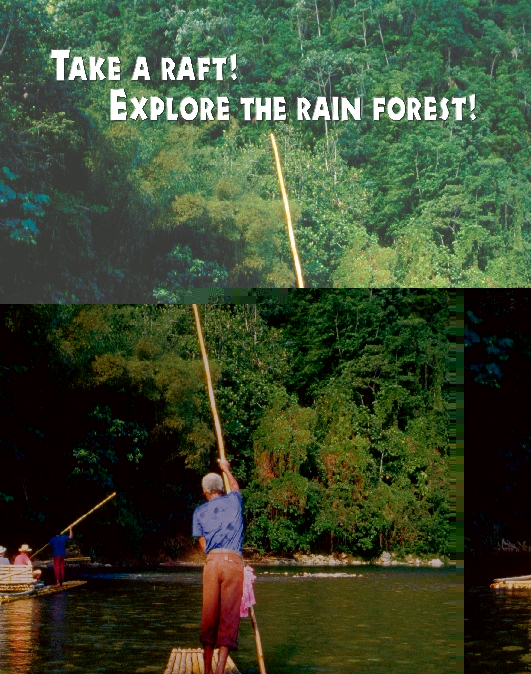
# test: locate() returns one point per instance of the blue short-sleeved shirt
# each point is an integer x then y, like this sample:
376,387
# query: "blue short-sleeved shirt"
220,522
58,545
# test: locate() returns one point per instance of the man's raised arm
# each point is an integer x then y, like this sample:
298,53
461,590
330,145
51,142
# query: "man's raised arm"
225,467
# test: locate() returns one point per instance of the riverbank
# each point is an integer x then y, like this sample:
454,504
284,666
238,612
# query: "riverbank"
307,559
195,558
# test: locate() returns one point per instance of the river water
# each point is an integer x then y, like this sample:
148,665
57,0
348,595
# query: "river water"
497,631
390,620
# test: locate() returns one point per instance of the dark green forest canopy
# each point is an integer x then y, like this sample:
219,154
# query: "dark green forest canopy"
335,407
93,210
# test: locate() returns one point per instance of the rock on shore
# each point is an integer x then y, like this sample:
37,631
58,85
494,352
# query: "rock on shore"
386,559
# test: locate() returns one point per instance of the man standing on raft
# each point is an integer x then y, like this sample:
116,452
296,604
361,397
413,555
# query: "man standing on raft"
58,544
218,524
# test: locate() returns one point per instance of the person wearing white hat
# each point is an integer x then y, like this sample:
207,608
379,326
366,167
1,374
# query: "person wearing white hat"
23,558
3,559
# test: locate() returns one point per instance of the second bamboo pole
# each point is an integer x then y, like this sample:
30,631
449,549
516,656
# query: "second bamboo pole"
78,521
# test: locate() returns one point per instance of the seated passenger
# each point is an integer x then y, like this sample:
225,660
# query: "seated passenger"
3,559
23,558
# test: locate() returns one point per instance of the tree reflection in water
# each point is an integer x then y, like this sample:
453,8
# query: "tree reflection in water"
19,631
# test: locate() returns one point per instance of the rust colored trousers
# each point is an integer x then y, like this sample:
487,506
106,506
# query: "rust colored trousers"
59,569
222,597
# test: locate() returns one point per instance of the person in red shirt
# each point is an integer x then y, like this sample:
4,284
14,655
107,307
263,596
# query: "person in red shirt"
23,558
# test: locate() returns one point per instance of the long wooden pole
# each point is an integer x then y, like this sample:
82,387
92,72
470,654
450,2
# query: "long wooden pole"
258,641
213,407
298,271
78,521
221,446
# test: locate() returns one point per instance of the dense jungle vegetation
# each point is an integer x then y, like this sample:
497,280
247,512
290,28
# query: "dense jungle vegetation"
335,406
93,210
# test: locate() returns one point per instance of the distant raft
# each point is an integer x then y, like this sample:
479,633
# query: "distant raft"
190,661
39,590
516,583
69,561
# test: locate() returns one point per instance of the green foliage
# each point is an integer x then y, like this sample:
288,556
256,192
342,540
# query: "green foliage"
114,440
368,460
142,209
28,205
334,407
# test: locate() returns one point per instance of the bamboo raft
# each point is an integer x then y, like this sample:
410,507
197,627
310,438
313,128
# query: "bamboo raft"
40,591
190,661
16,578
516,583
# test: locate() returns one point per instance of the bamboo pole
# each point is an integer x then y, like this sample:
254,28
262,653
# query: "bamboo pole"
213,407
259,652
221,446
298,271
78,521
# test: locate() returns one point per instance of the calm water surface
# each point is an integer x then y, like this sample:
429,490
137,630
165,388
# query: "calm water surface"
389,620
498,631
